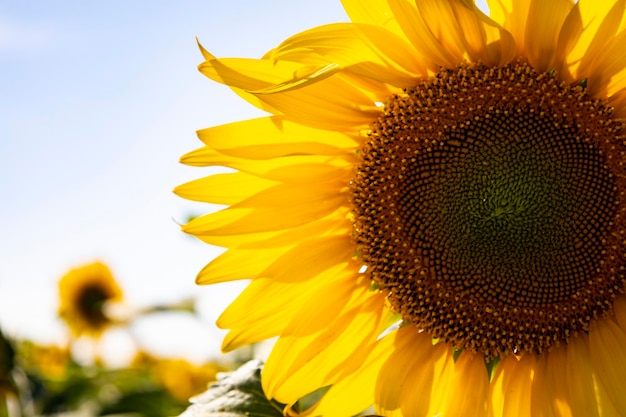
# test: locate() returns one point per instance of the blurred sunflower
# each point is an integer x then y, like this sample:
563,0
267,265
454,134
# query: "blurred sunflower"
48,361
183,379
84,293
433,217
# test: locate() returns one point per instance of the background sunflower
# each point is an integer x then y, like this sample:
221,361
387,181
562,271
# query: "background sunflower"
85,293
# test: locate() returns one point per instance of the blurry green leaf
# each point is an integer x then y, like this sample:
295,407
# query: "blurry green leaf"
235,394
153,403
7,363
7,355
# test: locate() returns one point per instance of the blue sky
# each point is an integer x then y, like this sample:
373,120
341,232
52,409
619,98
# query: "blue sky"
98,102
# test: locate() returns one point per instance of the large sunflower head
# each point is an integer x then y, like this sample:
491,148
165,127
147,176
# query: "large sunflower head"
84,293
433,215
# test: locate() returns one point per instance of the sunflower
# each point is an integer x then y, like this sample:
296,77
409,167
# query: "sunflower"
48,361
433,216
84,293
183,379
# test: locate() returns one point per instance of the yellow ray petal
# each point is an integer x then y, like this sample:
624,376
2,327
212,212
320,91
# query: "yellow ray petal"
545,19
354,393
440,18
252,318
277,208
498,386
312,75
510,388
228,188
328,103
326,342
427,389
469,387
448,32
409,348
366,50
295,168
483,39
607,74
335,223
332,104
579,377
585,32
550,392
518,390
255,74
272,137
512,15
236,264
541,393
608,356
373,12
415,27
310,258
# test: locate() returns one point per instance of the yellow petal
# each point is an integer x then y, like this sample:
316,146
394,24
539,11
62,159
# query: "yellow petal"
310,258
607,74
265,308
278,208
510,389
499,385
541,393
483,39
448,32
512,15
518,391
410,348
585,32
354,392
327,339
294,168
545,19
469,387
332,104
336,222
373,12
236,264
608,356
272,137
441,21
579,377
423,40
560,398
550,392
366,50
427,389
328,103
310,76
253,74
228,188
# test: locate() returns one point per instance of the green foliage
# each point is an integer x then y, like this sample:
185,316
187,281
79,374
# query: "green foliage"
7,359
236,394
93,391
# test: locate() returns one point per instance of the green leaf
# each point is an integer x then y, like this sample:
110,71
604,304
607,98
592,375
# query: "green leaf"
235,394
7,363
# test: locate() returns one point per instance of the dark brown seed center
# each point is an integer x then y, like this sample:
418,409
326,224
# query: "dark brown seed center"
91,304
489,205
